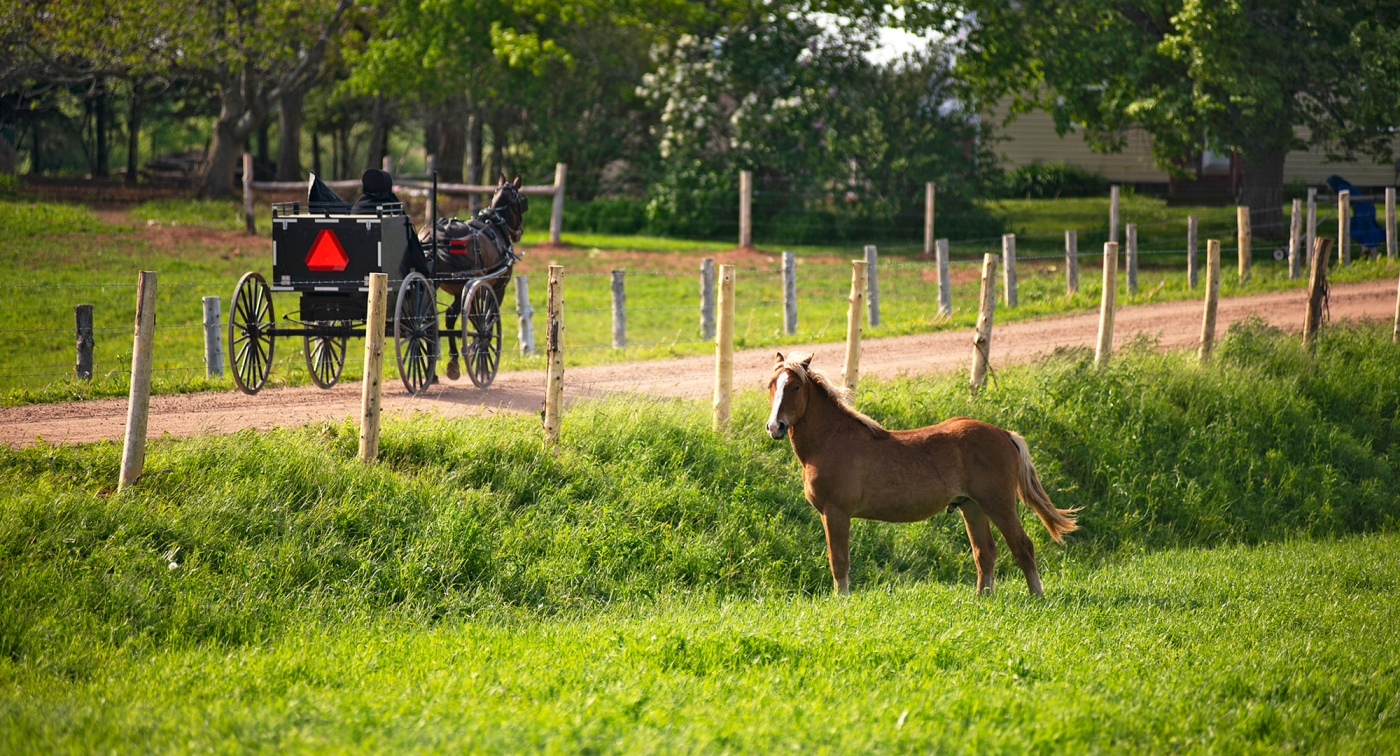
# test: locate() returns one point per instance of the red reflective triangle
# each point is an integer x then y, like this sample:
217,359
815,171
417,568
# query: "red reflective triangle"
326,253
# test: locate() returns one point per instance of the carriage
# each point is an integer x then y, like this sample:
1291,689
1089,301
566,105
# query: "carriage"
326,252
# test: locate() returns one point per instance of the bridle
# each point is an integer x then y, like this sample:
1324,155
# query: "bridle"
510,200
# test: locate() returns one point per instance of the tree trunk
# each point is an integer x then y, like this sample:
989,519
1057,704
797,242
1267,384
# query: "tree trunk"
430,132
474,148
221,161
36,160
498,148
289,117
231,131
474,155
379,134
316,152
133,137
452,144
1262,192
100,167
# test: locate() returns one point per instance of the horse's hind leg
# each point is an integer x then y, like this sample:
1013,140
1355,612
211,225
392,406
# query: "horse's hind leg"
984,547
453,310
1004,517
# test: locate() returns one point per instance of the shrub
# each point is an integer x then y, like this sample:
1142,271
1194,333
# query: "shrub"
1053,180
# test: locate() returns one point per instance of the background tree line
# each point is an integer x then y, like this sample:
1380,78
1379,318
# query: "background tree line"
656,106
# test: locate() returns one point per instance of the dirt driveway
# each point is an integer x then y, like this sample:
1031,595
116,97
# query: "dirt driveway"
1174,324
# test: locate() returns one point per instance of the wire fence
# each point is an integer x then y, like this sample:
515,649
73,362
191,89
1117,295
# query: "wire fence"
664,314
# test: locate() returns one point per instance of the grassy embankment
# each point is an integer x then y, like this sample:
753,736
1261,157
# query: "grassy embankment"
655,586
81,259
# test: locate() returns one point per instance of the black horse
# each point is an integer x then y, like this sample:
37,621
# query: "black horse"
482,248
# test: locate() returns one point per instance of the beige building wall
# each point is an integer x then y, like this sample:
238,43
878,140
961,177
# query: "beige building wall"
1031,138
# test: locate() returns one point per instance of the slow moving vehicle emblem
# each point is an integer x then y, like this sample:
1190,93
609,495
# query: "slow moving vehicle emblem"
326,253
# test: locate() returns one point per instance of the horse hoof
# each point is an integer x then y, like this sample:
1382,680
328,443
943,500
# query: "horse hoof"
453,372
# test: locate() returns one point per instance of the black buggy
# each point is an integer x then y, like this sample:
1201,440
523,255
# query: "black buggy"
326,252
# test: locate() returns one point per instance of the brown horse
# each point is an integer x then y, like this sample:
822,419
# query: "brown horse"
853,467
482,246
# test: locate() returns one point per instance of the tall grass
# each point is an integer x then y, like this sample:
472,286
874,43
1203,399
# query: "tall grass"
229,538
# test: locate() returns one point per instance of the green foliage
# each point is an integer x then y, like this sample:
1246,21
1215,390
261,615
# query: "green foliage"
1196,74
840,148
1053,181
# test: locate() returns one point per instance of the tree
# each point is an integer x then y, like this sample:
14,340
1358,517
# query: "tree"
840,147
1259,77
253,51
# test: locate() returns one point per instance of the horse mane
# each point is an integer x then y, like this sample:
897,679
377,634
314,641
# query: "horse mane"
840,395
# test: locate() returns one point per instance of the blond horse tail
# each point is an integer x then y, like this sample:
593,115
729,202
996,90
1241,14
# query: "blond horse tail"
1057,521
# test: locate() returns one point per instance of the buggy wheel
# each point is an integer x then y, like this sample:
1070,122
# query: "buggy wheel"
325,355
416,332
250,340
481,334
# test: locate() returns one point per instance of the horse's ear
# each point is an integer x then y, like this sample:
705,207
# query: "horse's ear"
781,358
807,363
500,182
517,182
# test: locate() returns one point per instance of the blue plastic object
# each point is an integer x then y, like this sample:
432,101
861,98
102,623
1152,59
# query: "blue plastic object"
1364,228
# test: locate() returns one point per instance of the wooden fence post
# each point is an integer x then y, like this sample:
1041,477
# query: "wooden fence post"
982,337
138,403
387,163
1104,348
525,315
1344,227
248,193
1192,230
1132,259
1395,334
556,217
1008,254
872,284
619,309
1071,262
1390,223
855,304
1310,231
929,241
724,349
745,209
213,343
707,298
372,385
82,317
1295,239
1242,240
789,293
1113,213
1212,299
431,211
1317,291
554,355
945,283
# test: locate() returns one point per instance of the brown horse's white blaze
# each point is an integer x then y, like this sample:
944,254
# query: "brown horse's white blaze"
853,467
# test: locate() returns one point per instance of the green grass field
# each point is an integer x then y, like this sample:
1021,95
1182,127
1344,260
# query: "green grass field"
655,586
57,256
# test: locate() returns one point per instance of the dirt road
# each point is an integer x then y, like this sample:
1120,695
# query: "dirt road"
1174,324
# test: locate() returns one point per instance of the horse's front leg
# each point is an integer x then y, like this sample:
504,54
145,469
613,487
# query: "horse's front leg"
838,547
453,310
